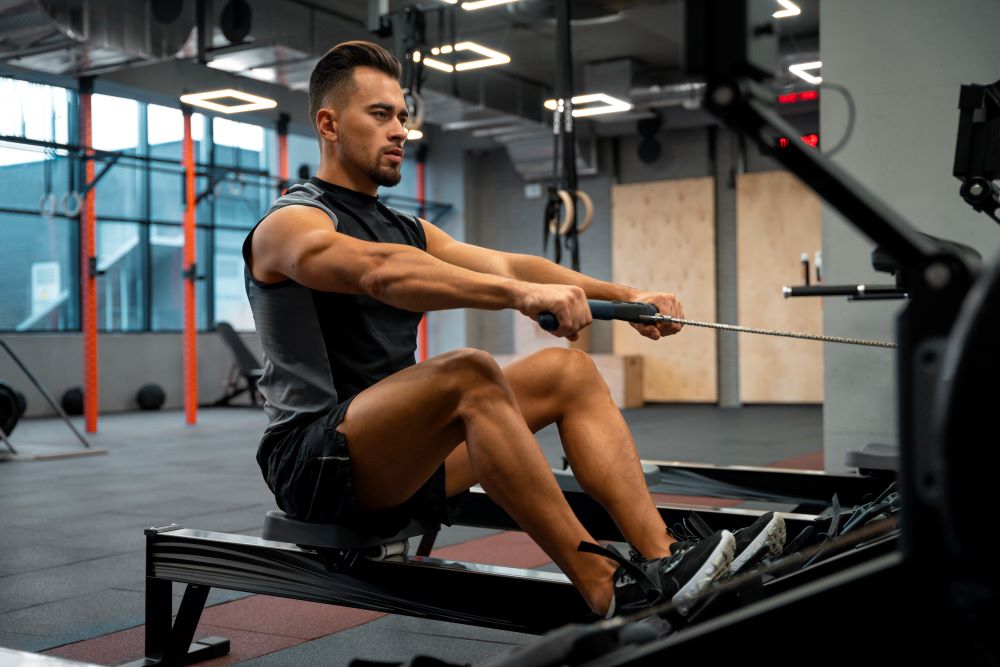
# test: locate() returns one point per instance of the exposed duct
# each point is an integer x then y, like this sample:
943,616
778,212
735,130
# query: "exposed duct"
286,38
532,153
585,12
83,36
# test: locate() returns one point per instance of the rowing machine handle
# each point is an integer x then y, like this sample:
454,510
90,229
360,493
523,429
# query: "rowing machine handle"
626,311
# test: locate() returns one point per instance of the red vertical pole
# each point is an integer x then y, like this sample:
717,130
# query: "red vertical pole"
88,262
282,153
190,278
422,342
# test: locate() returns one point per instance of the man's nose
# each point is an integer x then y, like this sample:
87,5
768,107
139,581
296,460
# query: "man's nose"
398,130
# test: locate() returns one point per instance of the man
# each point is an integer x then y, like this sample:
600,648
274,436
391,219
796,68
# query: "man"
358,433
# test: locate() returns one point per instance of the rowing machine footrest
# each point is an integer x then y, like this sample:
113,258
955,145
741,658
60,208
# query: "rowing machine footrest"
873,457
567,480
280,528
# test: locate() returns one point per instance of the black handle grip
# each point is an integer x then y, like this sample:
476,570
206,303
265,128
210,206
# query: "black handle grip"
626,311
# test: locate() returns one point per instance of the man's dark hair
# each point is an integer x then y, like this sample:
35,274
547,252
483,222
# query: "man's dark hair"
334,73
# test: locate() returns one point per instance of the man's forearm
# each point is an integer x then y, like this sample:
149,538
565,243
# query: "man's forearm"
532,269
415,280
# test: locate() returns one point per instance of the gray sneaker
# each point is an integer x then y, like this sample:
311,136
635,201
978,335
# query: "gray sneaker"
680,578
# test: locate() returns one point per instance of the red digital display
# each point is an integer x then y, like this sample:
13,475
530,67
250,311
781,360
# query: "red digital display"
811,139
795,98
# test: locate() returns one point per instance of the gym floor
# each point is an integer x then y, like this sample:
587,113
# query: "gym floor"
71,538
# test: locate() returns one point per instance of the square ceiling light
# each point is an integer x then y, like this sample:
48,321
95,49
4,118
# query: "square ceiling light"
490,58
211,100
802,70
473,5
788,9
599,103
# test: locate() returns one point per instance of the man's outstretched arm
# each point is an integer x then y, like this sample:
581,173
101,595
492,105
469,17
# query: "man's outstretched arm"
533,269
298,242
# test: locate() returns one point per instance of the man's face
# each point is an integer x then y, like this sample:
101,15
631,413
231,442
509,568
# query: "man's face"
370,131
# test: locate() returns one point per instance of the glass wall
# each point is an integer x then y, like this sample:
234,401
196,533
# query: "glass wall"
140,203
38,242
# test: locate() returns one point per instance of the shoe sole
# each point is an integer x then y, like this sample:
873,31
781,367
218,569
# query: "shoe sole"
715,566
772,538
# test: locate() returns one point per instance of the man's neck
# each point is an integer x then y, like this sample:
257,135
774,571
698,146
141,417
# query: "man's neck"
336,173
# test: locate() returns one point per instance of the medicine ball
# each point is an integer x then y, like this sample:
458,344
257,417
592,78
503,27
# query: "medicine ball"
72,401
10,408
150,396
22,403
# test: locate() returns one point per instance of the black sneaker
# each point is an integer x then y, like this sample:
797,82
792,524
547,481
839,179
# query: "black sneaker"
679,578
764,538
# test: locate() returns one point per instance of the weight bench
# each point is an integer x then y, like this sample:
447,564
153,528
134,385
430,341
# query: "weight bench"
246,369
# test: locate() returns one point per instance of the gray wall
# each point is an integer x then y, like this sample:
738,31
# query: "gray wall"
903,61
127,361
446,184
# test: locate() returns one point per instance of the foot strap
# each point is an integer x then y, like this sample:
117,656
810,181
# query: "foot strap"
646,585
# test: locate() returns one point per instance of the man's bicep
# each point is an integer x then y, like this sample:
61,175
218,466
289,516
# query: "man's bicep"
472,257
301,243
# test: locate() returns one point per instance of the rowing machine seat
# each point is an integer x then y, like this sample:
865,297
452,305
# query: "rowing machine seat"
280,528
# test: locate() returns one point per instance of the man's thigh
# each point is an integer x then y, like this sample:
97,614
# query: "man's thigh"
538,383
400,430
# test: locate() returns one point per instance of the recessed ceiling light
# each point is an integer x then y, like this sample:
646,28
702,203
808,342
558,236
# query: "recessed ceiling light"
473,5
250,102
608,104
789,8
490,58
801,70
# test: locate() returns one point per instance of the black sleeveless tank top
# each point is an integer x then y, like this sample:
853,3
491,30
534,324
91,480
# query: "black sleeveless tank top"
322,348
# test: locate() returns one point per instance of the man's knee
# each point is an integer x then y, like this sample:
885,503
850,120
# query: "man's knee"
468,369
569,369
468,361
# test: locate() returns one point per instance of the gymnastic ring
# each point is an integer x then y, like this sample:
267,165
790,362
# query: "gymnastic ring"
588,212
71,204
47,205
569,210
415,120
588,215
234,184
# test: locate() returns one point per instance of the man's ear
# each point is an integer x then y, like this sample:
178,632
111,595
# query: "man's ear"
326,123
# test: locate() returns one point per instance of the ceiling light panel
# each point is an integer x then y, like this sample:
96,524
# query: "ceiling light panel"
472,5
802,70
593,104
212,100
788,9
490,57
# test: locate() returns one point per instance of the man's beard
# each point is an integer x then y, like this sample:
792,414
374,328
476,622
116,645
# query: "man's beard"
385,176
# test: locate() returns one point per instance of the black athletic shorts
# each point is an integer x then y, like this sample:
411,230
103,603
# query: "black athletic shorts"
308,468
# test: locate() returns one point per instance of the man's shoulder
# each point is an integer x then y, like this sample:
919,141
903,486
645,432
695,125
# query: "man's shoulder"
298,194
300,199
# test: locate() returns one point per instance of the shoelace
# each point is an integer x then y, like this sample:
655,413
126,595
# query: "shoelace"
646,585
688,532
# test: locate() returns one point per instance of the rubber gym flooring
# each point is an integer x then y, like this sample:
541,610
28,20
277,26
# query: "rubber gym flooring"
72,545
